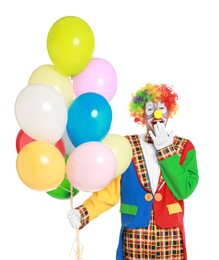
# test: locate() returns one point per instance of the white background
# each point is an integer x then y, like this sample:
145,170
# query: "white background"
173,42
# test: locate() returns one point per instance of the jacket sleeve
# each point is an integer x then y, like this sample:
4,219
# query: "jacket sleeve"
100,201
180,172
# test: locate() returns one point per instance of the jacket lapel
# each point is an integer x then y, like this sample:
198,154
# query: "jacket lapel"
139,162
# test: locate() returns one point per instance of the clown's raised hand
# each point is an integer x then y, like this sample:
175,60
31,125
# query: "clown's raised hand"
160,136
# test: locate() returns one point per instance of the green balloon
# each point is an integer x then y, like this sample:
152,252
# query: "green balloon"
63,191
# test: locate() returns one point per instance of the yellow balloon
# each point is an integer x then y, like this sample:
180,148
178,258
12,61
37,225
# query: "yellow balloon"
51,76
70,44
40,166
122,150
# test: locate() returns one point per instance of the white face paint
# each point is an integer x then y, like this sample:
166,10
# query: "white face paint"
150,108
162,107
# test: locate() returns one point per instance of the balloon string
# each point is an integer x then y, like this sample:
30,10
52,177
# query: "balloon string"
71,196
76,247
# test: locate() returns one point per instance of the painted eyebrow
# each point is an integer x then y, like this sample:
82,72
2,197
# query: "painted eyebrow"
149,104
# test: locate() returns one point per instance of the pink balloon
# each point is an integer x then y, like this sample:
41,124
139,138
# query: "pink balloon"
99,77
91,166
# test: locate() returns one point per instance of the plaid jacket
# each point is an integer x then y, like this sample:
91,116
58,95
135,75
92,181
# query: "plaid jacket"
175,184
178,179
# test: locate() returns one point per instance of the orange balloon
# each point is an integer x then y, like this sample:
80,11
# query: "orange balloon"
40,166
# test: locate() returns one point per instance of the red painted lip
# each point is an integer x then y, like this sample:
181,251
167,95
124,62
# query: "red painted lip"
155,121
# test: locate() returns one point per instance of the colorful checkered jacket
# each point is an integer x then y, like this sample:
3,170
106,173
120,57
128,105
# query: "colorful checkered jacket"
178,179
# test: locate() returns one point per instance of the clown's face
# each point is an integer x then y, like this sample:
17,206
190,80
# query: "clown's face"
155,112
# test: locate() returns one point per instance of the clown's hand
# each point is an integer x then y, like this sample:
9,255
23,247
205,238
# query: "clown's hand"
74,217
161,138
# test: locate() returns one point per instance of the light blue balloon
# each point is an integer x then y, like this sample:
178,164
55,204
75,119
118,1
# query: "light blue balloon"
89,118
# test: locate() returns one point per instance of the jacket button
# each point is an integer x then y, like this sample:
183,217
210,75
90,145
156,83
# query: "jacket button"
148,197
158,197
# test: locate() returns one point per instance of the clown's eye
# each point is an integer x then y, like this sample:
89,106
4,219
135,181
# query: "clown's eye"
149,108
149,111
162,107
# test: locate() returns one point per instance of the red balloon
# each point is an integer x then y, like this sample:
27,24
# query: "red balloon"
61,146
23,139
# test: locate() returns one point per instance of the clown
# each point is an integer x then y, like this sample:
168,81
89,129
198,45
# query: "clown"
163,173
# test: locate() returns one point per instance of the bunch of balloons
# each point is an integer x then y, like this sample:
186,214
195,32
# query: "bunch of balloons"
65,117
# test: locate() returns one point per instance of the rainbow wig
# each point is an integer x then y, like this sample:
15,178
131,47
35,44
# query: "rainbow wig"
154,93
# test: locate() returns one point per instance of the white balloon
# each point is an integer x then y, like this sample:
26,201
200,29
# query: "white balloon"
41,112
